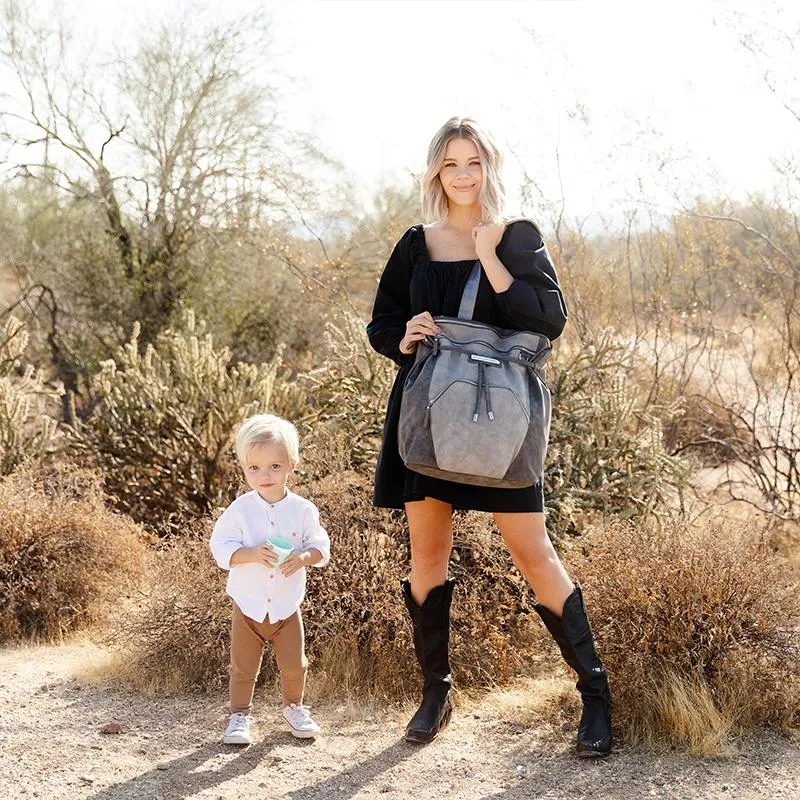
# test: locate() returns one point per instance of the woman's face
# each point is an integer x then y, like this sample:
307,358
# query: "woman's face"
461,173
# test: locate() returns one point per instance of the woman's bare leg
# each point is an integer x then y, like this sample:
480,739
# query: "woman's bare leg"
532,551
430,526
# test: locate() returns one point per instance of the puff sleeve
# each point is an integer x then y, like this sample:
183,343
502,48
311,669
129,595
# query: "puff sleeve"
392,307
534,301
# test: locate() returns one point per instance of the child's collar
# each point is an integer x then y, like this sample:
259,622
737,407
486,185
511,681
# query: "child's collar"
272,503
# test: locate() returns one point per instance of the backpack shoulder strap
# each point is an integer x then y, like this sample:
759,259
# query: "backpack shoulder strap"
470,293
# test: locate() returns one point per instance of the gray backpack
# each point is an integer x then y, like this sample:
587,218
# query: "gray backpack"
475,407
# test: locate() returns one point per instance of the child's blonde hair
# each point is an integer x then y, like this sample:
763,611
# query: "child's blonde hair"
264,429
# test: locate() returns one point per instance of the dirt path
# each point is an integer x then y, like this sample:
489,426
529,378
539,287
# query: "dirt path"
51,747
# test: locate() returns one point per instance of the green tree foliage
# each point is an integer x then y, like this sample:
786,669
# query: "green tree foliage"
178,187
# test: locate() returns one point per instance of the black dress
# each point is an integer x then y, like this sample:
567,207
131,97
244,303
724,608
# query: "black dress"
410,284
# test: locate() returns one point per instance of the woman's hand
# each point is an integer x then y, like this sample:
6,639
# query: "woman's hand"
417,328
486,236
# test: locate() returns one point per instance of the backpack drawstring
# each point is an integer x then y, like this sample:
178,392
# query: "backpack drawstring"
478,390
482,389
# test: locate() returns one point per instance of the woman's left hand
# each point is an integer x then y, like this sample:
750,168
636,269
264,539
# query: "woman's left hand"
486,236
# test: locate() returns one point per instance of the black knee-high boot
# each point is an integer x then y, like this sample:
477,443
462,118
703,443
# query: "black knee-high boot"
574,637
431,626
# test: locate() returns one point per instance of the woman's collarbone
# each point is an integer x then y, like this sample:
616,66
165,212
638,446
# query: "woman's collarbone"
444,245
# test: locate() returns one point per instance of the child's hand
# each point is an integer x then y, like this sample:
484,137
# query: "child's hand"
263,554
297,561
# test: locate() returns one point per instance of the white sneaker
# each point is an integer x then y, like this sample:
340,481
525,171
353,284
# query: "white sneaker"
238,730
303,727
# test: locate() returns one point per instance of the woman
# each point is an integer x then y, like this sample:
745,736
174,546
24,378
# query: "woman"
462,192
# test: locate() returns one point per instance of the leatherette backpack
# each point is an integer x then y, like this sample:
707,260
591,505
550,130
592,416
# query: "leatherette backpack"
475,407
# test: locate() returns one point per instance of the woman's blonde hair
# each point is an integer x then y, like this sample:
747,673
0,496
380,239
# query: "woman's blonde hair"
268,429
492,194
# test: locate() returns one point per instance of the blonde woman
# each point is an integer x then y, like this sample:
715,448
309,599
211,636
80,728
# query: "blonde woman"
462,197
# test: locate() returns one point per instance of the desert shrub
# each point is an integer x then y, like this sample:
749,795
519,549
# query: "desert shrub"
346,394
162,433
764,447
358,635
27,432
179,638
741,411
696,628
64,557
606,455
703,427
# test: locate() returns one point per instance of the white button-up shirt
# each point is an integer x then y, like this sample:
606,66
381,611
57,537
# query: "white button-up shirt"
250,520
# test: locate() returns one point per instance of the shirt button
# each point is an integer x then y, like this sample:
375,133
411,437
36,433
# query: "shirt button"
294,534
269,599
272,522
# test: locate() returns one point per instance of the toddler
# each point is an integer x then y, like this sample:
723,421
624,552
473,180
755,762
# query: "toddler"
266,585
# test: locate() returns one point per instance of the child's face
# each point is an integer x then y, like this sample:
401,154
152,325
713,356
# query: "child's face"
266,468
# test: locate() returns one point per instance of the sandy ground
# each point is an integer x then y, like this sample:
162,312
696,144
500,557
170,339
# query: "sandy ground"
50,720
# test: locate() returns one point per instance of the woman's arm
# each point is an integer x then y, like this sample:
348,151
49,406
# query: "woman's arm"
392,307
525,281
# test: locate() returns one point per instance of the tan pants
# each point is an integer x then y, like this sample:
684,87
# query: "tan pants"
248,639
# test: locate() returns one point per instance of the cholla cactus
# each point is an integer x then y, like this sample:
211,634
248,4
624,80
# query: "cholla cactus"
347,393
606,454
163,431
26,430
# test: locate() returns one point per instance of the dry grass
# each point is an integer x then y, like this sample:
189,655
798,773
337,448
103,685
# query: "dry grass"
532,701
686,708
64,557
179,639
697,628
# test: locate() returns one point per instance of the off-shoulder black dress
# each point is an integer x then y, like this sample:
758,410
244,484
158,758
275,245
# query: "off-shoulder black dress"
412,283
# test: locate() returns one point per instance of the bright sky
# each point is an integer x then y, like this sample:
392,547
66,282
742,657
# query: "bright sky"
591,96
